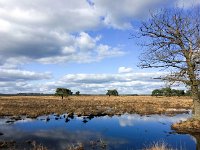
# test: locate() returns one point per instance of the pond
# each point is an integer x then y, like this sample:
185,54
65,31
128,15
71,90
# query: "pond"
125,132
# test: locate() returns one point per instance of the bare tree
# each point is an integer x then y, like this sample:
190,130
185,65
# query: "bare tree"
173,42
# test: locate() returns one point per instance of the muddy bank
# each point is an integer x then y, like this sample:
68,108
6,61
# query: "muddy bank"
190,126
34,106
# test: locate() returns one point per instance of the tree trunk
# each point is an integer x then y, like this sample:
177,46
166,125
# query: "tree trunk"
196,113
196,101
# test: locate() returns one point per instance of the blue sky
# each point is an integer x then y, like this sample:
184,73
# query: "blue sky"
82,45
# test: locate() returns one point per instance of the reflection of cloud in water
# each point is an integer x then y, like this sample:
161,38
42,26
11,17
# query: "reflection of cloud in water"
3,120
56,138
126,121
193,139
25,120
129,120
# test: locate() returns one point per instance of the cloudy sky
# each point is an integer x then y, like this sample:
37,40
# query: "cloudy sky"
83,45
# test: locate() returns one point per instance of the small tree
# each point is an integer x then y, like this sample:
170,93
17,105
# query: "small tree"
63,92
77,93
112,92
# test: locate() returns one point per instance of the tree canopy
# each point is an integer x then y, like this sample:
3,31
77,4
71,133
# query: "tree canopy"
77,93
168,92
63,92
172,42
112,92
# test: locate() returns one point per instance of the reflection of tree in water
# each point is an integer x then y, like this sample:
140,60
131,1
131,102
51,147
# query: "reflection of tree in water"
197,137
67,120
86,119
69,117
90,117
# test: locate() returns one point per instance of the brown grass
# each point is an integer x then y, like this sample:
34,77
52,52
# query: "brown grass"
7,144
159,146
38,146
34,106
189,126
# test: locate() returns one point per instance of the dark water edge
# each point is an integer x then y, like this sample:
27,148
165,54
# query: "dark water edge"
128,131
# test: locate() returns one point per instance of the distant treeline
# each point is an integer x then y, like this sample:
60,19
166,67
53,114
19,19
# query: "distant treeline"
27,94
170,92
43,94
34,94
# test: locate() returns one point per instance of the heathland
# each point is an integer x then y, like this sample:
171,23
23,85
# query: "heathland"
34,106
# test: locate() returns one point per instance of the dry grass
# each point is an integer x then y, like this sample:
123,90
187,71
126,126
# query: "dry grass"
78,146
7,144
11,145
38,146
34,106
189,126
159,146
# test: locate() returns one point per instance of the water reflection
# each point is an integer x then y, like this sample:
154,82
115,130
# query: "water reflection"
55,138
119,132
129,120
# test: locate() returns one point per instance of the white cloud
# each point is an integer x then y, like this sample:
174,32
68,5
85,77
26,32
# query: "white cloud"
16,81
45,30
130,83
20,75
85,42
140,83
69,15
187,4
125,70
119,14
105,51
42,31
53,47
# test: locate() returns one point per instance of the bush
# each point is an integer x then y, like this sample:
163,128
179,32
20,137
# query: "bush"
112,92
77,93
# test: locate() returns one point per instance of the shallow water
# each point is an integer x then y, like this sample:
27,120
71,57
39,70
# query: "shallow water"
126,132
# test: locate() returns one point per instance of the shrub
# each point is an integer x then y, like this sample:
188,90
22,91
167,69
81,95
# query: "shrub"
77,93
112,92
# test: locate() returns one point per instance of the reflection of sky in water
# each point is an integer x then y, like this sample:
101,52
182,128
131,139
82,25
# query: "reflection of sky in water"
130,120
124,132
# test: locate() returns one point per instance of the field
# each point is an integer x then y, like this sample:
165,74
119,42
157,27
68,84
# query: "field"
34,106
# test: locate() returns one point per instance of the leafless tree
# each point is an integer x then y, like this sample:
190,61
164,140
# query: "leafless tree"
173,42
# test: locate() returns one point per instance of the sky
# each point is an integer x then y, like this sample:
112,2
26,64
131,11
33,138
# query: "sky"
83,45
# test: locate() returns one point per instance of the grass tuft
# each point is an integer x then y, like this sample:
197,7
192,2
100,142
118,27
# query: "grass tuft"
159,146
